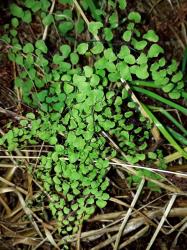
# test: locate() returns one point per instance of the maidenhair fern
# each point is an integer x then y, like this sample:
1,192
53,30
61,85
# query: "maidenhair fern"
81,102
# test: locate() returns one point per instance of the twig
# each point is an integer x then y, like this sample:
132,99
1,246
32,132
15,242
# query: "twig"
113,144
134,237
132,225
177,37
168,209
115,162
47,26
172,157
27,210
18,91
11,114
128,214
173,246
8,183
79,236
84,17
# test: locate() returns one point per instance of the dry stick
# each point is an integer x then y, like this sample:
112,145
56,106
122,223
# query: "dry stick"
141,185
11,171
42,189
160,184
134,237
113,161
79,236
31,242
8,183
108,236
49,146
153,6
132,225
136,212
169,188
119,202
11,114
178,174
84,17
18,91
28,211
172,157
113,144
168,209
30,187
29,181
104,243
184,32
40,244
50,237
29,150
47,26
6,207
127,167
39,154
108,216
182,222
173,246
169,1
177,37
14,212
17,157
119,215
8,177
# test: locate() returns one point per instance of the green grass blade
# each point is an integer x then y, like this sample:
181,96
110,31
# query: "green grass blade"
161,99
180,138
145,84
169,117
165,133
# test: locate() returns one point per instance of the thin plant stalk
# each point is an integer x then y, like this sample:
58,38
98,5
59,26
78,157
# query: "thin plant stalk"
161,99
170,117
180,138
165,133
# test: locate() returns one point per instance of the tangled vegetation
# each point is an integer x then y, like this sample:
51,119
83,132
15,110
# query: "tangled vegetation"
81,105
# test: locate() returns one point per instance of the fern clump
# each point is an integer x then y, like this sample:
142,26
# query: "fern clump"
81,104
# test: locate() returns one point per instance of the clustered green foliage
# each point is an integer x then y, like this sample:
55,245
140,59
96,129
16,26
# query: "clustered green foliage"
81,100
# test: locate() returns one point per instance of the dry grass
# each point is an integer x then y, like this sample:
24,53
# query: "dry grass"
22,224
